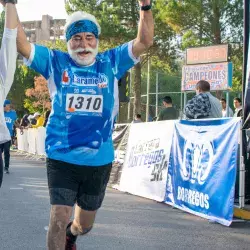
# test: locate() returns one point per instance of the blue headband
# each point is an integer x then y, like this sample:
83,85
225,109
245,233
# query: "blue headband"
81,26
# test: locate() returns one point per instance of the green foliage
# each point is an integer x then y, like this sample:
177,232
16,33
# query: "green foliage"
207,22
28,104
2,18
56,45
23,79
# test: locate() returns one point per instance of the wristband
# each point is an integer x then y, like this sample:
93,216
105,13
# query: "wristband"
146,7
11,1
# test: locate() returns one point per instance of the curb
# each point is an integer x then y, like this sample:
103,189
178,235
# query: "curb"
241,213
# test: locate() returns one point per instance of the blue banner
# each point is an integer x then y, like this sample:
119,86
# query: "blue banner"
202,168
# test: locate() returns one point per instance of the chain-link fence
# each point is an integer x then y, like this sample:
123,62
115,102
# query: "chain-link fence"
161,84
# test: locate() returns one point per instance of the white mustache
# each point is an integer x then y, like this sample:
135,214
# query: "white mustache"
83,50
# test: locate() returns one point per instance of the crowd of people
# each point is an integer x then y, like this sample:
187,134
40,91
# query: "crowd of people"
34,121
12,122
203,105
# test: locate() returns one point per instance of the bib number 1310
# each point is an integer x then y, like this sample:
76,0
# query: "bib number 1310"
84,103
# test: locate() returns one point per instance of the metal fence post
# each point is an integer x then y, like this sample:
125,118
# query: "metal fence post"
148,90
157,94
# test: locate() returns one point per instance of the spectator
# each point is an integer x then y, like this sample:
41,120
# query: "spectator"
224,108
169,112
203,104
238,107
25,121
10,119
137,118
39,120
46,116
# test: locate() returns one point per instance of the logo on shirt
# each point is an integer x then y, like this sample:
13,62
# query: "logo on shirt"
8,120
101,81
65,78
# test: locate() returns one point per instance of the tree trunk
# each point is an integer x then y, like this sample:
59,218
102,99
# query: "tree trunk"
216,29
216,25
137,90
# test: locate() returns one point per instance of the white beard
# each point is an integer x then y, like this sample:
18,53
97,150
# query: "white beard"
86,61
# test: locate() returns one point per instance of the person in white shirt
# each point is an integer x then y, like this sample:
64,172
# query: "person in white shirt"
224,108
8,55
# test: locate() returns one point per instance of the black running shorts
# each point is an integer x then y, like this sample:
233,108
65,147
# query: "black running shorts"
69,184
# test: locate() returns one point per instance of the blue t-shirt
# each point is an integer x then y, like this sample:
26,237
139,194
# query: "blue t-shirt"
10,118
84,103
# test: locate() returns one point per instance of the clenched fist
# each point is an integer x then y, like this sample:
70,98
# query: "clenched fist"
144,2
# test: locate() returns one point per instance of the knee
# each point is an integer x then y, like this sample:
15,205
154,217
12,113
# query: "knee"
82,229
85,230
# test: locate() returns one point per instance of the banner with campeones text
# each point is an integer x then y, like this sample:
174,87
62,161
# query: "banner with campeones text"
146,163
202,168
219,75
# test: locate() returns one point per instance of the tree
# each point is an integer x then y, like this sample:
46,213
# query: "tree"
2,22
207,22
23,79
39,99
119,22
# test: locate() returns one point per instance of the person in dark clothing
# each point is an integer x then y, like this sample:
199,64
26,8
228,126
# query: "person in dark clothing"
238,107
25,121
46,116
137,119
169,112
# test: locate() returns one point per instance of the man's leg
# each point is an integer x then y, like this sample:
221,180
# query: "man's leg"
83,221
90,197
63,191
59,219
6,150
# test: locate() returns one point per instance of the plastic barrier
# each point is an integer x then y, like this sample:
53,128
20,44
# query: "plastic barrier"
31,140
22,138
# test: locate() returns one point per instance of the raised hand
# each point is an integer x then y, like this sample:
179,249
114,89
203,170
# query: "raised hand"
144,2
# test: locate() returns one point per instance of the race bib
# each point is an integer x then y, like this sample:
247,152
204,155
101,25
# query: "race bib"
84,104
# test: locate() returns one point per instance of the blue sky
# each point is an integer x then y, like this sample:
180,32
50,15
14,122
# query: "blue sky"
34,9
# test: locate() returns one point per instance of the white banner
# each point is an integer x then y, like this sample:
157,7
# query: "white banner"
40,140
22,138
146,162
32,134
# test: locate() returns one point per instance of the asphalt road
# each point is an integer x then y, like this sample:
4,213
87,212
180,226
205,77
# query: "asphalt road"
123,222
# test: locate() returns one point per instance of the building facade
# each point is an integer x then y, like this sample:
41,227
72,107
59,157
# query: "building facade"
47,29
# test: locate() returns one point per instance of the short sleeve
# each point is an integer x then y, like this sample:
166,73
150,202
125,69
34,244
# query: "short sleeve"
122,59
40,60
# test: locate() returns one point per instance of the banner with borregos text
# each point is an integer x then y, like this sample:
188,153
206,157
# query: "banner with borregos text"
202,168
146,162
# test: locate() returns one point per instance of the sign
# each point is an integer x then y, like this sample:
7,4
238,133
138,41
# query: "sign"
210,54
147,157
201,176
219,75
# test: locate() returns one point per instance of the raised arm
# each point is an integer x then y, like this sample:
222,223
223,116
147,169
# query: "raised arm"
145,34
8,52
23,45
